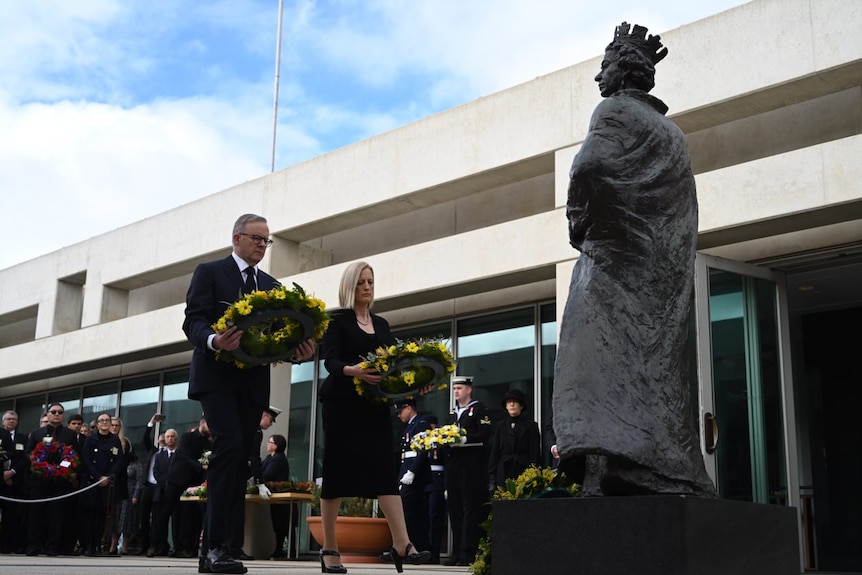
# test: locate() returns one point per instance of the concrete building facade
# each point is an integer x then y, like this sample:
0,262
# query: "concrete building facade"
462,216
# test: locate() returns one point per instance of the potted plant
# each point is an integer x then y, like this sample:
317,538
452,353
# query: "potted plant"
362,534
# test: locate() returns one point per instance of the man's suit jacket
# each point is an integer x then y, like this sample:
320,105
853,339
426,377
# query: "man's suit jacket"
16,450
214,286
186,469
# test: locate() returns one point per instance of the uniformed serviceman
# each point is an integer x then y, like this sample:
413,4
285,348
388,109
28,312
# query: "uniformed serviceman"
466,472
414,474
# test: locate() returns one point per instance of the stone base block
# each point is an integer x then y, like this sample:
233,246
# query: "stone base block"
652,535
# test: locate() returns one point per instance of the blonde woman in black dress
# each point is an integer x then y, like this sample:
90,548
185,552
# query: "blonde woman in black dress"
358,439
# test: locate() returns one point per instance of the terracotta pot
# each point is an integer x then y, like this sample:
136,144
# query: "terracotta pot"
360,539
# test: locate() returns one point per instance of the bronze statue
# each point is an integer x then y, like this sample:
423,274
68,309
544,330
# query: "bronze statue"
622,371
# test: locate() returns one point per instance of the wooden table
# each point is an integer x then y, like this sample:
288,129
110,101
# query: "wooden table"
291,498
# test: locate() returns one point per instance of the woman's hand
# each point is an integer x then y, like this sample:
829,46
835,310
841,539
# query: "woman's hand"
368,375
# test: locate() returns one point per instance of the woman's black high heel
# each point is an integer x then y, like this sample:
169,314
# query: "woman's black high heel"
412,558
334,568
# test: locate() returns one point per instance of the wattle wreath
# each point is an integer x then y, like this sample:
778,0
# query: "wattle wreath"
274,323
53,460
406,367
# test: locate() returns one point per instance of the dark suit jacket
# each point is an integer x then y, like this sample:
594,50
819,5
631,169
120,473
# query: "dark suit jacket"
276,468
214,286
16,450
186,470
161,466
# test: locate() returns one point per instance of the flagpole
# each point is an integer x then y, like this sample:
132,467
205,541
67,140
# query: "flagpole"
275,89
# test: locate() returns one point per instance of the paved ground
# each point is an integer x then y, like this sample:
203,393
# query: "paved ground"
22,565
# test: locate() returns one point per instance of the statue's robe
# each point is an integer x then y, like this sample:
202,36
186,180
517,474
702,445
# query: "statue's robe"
621,380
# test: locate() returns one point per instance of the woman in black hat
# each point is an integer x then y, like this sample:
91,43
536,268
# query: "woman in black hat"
516,443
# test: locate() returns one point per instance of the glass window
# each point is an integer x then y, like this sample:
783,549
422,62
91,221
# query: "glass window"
317,467
548,354
70,399
499,352
30,410
299,423
99,398
139,400
181,413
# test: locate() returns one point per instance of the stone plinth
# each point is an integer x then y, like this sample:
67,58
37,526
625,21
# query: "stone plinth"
654,535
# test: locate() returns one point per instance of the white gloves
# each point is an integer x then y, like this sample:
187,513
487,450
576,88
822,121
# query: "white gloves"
408,478
463,439
263,491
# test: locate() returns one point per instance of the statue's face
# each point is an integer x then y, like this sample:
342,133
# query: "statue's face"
610,78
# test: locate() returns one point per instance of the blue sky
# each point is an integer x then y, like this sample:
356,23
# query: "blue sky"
112,111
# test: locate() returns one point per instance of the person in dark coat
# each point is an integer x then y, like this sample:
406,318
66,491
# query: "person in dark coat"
466,473
146,499
353,333
102,459
516,444
415,473
46,521
183,470
13,529
435,499
275,467
231,398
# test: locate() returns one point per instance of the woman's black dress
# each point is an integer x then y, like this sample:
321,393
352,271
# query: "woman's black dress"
359,451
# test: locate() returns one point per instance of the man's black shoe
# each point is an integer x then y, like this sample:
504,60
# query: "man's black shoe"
240,555
451,562
32,552
220,561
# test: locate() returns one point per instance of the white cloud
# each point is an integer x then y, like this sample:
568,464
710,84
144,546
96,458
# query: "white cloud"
113,111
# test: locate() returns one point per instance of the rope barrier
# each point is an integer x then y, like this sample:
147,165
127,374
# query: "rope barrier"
46,500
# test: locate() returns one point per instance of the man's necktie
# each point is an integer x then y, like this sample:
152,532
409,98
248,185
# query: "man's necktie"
249,286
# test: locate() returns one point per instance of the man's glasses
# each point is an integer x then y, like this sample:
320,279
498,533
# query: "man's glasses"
257,239
56,412
103,421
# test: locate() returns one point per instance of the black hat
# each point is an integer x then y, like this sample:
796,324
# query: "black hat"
516,395
401,404
462,380
272,411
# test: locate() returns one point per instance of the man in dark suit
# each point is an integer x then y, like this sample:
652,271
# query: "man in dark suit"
13,529
176,471
146,504
467,473
45,521
415,473
232,399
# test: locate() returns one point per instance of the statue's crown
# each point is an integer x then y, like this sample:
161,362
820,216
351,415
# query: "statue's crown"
650,47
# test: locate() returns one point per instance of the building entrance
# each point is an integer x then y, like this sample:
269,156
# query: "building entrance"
826,320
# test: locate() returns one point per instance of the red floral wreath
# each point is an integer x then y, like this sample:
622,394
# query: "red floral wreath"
54,460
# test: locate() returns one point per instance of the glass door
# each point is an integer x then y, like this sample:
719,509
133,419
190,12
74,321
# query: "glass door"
746,407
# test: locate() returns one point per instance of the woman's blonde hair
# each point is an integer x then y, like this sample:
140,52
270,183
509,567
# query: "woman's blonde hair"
124,441
349,279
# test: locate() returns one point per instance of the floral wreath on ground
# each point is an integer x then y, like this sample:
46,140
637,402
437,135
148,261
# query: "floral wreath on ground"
406,367
54,460
273,322
437,437
533,483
